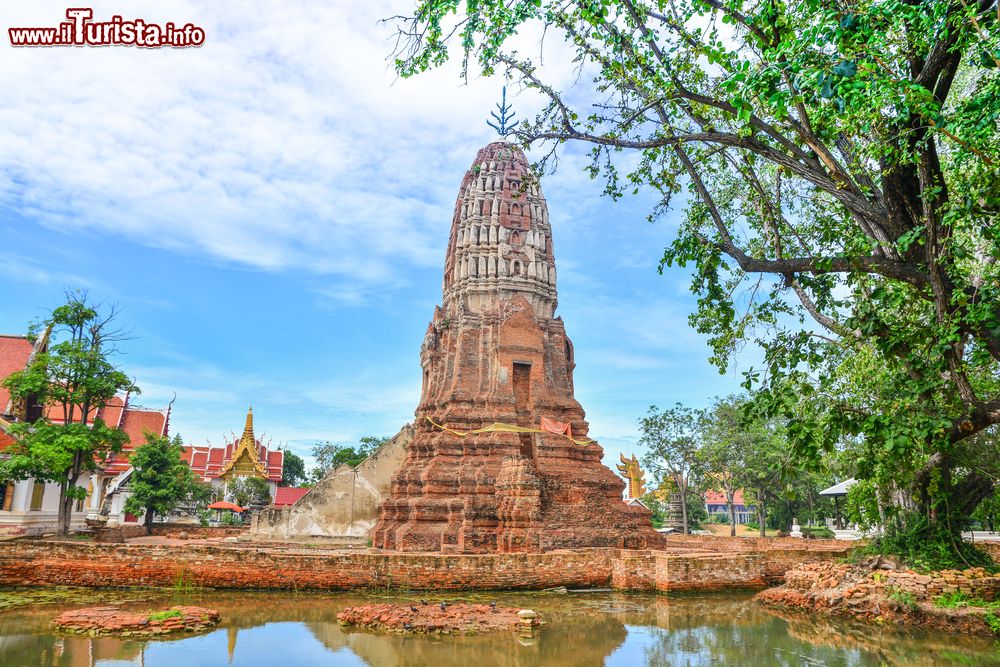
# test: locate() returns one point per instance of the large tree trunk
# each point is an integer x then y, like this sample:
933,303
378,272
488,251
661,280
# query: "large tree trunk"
65,510
761,518
947,502
732,513
684,513
149,519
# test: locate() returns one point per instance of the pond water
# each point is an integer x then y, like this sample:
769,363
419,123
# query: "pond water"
290,630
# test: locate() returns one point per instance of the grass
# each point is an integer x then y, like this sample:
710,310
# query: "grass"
165,614
953,600
183,582
959,599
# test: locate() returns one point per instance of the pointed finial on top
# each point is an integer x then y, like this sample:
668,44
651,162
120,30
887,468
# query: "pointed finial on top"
501,126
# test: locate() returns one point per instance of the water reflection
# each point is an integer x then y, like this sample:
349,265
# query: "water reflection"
582,630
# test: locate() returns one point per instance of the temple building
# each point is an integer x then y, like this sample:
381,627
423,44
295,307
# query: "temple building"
500,459
29,506
246,457
716,505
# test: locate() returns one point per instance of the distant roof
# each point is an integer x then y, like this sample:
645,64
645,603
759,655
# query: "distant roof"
289,495
839,489
135,422
719,497
14,354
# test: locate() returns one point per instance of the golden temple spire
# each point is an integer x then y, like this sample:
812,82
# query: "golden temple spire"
246,450
248,429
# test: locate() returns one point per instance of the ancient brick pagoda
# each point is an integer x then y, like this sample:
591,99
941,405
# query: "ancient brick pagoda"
495,353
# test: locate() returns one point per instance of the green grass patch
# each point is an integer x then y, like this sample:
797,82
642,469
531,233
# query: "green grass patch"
955,600
165,614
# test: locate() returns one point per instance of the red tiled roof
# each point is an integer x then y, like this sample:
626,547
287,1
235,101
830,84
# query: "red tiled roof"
274,462
114,411
14,354
289,495
719,498
135,423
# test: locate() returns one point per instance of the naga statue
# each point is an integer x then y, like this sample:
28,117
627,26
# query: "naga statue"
633,473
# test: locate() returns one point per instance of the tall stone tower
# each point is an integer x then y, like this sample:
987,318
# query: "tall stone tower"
496,353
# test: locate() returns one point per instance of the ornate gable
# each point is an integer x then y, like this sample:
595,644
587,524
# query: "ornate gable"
245,461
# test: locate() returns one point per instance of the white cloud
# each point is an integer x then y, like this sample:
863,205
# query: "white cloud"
286,144
28,270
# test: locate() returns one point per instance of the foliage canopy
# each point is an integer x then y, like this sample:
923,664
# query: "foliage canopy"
72,377
839,169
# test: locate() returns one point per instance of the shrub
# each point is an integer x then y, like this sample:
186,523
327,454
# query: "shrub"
904,598
992,622
925,546
818,532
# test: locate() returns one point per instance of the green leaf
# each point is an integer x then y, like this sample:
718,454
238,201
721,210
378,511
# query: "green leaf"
846,68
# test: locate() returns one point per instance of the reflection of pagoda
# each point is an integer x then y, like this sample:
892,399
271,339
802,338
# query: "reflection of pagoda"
500,460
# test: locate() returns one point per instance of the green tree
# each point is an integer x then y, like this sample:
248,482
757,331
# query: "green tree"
672,439
293,469
246,491
160,479
330,456
726,443
843,192
75,377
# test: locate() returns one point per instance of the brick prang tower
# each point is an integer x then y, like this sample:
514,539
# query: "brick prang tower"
495,352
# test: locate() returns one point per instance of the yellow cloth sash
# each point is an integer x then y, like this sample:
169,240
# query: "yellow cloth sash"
509,428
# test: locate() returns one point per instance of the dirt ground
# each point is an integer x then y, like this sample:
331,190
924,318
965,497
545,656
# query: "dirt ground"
722,530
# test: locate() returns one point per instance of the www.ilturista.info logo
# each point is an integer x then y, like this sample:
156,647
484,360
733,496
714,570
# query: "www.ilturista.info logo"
81,30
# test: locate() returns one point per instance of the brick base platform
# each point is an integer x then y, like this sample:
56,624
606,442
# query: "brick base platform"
37,563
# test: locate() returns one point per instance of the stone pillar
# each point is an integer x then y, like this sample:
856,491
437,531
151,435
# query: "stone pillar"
675,513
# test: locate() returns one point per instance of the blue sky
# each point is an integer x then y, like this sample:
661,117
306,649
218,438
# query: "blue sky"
271,212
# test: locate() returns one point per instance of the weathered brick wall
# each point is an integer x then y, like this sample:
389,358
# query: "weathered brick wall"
30,562
656,570
973,582
992,548
717,543
37,563
196,531
118,534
